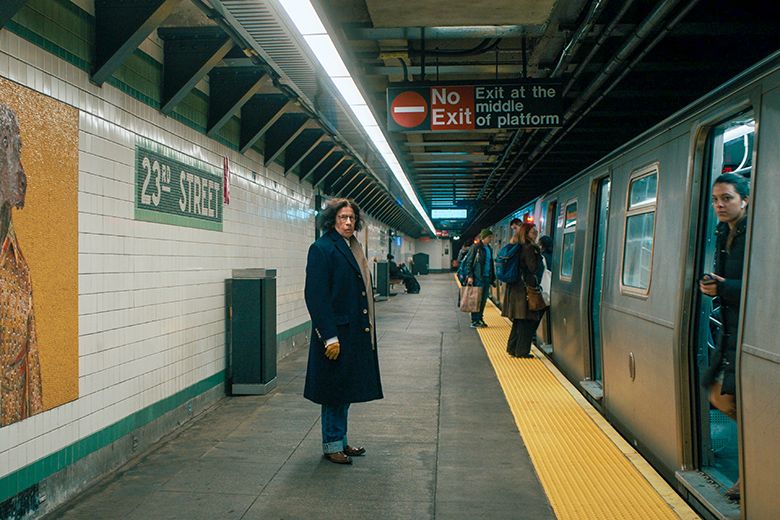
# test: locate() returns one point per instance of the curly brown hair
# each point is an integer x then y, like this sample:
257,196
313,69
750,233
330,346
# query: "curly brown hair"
331,208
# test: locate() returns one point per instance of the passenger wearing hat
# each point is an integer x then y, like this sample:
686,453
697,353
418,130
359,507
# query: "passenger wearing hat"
481,273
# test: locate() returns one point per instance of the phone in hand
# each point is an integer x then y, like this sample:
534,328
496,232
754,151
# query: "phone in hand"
707,279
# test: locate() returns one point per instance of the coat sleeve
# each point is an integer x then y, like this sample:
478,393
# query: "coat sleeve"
730,291
317,294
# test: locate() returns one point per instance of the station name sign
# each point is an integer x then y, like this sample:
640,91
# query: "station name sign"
442,108
182,191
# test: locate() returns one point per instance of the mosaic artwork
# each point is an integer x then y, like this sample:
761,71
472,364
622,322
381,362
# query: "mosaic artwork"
38,253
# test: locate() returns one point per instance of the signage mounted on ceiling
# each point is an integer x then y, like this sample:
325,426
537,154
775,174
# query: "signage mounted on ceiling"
449,213
493,106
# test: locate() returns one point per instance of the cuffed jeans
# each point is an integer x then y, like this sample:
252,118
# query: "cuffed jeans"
334,427
479,316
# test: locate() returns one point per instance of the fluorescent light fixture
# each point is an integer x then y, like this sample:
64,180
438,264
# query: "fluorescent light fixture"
309,25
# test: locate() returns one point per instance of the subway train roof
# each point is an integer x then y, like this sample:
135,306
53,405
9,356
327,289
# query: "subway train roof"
615,68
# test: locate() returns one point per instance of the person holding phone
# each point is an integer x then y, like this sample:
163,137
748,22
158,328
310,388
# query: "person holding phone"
730,198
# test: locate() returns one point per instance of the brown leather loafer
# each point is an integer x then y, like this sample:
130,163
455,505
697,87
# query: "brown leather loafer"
354,452
338,458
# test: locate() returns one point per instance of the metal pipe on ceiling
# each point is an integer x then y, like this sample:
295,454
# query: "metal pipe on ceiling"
567,55
647,27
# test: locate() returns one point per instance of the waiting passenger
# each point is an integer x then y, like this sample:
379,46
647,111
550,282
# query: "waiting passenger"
343,365
514,304
481,272
402,273
730,197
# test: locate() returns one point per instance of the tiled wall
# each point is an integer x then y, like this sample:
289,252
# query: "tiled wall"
151,296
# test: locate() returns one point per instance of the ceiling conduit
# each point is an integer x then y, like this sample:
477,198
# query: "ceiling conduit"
648,26
567,55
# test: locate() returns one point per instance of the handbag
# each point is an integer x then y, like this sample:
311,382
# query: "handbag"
535,299
470,298
533,291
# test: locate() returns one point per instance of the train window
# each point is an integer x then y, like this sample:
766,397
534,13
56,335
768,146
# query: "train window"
640,230
569,233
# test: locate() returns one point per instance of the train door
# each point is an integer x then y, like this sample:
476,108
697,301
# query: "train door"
550,221
597,276
728,149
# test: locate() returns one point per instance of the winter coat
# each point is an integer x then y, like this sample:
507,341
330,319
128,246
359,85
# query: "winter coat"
514,304
338,305
729,265
476,268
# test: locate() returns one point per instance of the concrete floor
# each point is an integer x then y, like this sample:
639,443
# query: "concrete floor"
441,444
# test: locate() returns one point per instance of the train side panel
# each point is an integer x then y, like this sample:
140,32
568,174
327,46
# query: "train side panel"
759,363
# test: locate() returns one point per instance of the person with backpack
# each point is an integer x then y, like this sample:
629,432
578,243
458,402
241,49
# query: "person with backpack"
480,272
529,268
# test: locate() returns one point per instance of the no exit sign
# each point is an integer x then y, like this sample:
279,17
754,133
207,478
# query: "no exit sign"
448,108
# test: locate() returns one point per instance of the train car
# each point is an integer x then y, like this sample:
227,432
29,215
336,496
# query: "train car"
633,235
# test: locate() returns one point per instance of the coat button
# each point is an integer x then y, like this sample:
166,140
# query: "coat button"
366,330
363,293
365,311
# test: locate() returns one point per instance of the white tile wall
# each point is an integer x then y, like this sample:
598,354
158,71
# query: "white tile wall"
151,295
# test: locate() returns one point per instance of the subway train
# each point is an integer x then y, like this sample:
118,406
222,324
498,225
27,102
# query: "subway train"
633,234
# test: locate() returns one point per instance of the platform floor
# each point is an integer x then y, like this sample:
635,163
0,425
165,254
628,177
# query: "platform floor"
442,444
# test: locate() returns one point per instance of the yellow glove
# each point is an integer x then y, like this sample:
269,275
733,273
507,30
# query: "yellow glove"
332,351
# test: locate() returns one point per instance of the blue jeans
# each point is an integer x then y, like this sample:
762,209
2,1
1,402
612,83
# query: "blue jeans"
334,427
478,316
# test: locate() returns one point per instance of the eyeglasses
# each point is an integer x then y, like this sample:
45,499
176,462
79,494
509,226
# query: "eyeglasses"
345,218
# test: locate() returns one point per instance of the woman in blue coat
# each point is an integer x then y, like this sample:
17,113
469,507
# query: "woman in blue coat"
343,364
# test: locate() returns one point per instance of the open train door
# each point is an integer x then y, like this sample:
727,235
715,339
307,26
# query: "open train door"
728,148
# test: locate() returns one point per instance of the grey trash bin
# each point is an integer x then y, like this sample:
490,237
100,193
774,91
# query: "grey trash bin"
250,323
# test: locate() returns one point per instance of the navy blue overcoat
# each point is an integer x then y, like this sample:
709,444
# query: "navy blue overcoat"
338,305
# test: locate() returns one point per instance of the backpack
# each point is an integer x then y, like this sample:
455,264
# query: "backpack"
463,271
508,263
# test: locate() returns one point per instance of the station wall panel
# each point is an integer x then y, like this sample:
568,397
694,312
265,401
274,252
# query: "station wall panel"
150,295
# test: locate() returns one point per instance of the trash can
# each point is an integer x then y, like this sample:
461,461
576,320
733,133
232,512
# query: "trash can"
383,279
250,323
420,263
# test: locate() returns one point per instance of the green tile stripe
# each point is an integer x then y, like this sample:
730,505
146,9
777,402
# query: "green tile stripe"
303,327
176,220
31,474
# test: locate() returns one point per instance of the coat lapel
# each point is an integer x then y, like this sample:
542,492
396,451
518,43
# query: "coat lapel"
343,248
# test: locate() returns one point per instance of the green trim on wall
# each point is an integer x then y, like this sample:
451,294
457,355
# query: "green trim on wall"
303,327
18,481
31,474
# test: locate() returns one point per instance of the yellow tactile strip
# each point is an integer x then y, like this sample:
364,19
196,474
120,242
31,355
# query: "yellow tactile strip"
586,469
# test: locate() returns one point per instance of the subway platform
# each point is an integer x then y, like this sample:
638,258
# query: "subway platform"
445,442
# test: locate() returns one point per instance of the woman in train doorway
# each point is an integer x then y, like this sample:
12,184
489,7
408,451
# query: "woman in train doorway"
730,197
514,304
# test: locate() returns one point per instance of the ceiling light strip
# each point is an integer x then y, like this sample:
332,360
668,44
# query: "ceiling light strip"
309,25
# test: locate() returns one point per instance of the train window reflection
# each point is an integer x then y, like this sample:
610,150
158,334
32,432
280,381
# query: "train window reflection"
569,233
640,230
643,191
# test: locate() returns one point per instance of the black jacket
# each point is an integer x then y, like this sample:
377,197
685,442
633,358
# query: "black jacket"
729,265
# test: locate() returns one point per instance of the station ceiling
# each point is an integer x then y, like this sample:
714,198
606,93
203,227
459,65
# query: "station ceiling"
622,67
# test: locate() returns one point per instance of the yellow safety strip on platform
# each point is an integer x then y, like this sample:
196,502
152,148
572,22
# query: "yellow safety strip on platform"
587,470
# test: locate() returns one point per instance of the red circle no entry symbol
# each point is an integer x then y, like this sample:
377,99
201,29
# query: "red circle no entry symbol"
409,109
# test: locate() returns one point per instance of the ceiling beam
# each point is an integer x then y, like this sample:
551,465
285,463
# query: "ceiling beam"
332,162
190,53
236,86
281,134
301,147
120,27
8,9
258,115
